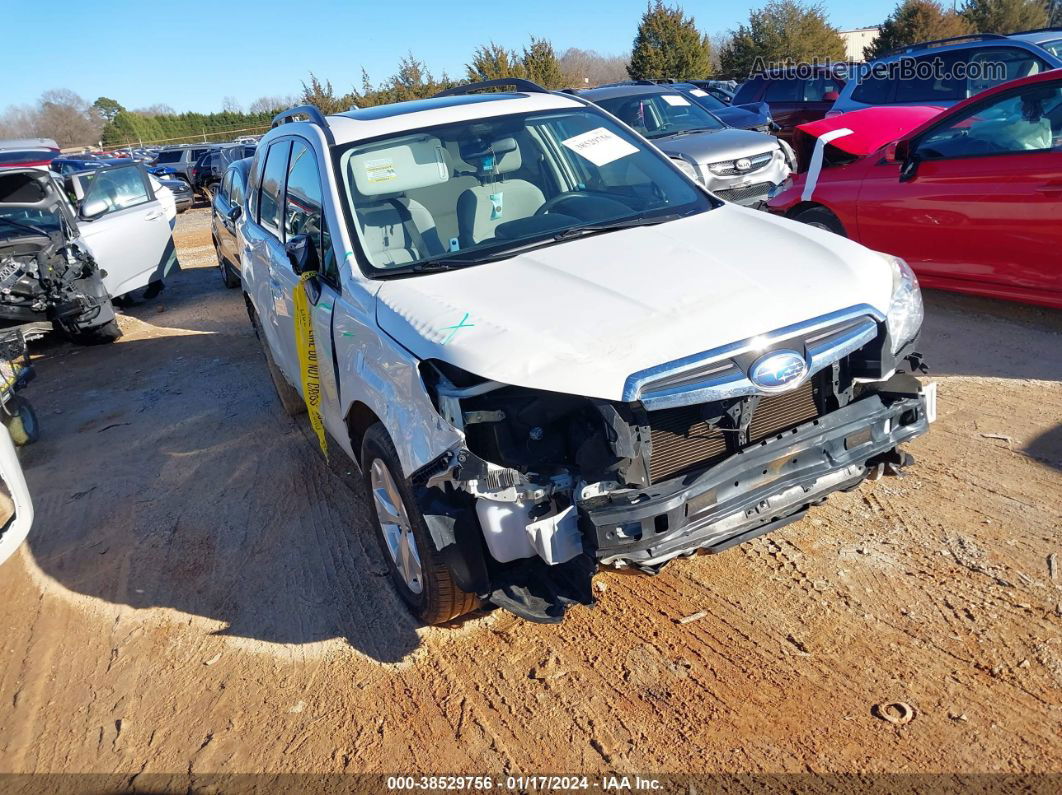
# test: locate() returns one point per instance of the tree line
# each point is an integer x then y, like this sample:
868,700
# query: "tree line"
667,44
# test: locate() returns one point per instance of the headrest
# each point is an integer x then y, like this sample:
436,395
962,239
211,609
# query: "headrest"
395,167
498,157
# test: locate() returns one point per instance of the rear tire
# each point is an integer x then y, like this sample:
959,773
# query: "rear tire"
228,278
424,582
821,218
290,400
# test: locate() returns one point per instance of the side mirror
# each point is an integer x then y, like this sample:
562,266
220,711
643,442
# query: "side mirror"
235,212
830,96
302,254
908,158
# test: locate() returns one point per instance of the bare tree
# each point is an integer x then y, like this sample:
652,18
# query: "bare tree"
272,104
59,114
231,105
590,68
158,109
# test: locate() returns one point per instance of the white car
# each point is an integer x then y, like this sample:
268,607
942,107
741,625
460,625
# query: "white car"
548,349
16,507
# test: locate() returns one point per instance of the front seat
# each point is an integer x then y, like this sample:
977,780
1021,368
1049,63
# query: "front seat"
396,229
483,208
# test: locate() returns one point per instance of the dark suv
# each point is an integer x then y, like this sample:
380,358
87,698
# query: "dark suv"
793,100
209,170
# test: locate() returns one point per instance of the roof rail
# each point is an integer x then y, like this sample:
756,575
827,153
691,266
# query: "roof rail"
951,40
516,82
314,116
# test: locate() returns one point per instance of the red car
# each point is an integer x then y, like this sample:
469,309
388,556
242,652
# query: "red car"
971,197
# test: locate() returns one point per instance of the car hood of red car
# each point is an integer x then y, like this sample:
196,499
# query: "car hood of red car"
871,128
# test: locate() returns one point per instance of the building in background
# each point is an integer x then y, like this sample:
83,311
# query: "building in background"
856,40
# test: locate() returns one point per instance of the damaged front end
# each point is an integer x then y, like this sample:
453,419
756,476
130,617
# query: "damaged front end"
697,457
45,275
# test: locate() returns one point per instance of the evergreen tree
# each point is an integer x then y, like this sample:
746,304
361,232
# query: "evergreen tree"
540,64
493,62
913,21
1005,16
783,31
668,44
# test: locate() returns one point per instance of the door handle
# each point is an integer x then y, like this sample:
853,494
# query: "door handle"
153,216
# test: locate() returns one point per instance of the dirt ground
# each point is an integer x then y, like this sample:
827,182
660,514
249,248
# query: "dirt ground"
201,592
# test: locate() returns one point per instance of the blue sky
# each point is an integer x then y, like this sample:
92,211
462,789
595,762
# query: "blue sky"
191,54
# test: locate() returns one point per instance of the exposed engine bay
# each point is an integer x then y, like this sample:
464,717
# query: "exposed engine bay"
45,275
548,486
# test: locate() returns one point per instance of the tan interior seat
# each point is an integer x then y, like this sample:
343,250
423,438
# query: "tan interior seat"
495,200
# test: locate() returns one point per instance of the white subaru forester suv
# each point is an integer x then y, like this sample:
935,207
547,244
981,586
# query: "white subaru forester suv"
549,350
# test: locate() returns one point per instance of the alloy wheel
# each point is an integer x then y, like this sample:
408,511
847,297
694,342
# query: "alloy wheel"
396,526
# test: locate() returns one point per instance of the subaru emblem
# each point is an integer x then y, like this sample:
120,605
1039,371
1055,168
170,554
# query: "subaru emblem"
778,371
744,164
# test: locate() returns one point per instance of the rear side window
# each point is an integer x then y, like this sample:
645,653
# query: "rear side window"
236,188
1009,63
817,89
173,156
198,153
749,91
269,203
926,86
784,90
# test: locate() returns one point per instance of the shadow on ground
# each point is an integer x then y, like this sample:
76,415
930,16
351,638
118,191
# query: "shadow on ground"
167,476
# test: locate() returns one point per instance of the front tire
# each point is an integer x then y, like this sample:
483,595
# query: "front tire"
821,218
423,581
21,421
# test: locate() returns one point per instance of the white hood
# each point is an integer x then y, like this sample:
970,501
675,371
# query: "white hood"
579,317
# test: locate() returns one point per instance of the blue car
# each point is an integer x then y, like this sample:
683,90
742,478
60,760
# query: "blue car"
72,164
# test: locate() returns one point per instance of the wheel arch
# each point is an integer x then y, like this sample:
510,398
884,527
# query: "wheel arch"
359,419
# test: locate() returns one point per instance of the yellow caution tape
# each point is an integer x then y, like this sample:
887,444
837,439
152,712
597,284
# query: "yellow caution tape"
311,375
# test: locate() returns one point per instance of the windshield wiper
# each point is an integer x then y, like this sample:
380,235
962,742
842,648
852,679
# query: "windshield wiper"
26,227
614,226
455,262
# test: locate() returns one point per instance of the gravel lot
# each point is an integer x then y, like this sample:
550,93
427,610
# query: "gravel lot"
201,592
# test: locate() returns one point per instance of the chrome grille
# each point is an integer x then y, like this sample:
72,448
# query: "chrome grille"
728,168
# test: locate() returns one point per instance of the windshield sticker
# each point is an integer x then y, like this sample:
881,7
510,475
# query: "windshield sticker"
698,92
382,170
675,99
599,146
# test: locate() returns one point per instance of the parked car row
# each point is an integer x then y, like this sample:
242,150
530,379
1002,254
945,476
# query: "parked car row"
550,348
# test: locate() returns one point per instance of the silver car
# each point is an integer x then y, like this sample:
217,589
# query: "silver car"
740,166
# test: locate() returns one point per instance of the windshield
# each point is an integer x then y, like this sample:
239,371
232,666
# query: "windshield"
661,115
706,99
460,194
15,220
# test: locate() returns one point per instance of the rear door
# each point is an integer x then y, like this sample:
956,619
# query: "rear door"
785,96
125,227
983,210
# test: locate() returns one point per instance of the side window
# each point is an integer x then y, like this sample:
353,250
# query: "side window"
936,80
303,211
994,65
111,191
236,189
817,89
1026,121
226,186
254,180
198,153
173,156
276,168
873,90
784,90
749,91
